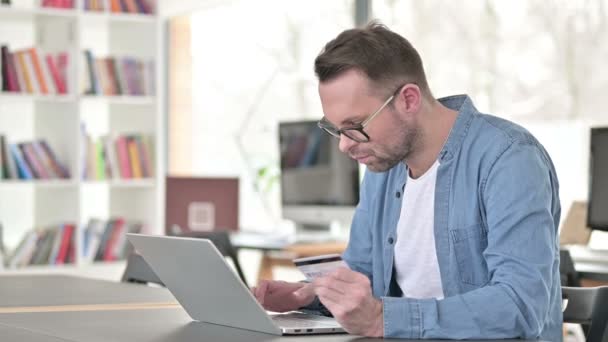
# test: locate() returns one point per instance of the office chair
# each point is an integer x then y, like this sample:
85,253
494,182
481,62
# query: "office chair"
221,240
138,271
568,275
588,306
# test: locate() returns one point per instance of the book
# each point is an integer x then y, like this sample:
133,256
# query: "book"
104,240
123,157
23,69
62,64
4,67
3,159
66,236
9,162
60,87
118,229
94,87
38,72
35,165
13,78
58,167
92,238
100,160
45,160
134,157
56,245
22,167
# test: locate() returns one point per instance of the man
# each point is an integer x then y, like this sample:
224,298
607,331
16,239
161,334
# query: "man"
455,235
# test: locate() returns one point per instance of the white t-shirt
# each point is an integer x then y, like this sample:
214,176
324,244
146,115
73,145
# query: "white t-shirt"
415,255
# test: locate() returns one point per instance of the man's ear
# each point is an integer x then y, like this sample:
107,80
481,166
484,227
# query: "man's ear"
409,98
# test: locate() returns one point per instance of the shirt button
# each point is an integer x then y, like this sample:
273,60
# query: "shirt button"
390,240
398,194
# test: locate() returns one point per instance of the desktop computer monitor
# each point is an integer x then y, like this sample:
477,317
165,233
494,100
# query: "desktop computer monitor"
597,206
319,184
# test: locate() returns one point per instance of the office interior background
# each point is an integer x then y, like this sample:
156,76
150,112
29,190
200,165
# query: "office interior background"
228,72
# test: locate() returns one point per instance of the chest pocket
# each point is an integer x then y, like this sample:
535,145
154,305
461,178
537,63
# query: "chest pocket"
469,244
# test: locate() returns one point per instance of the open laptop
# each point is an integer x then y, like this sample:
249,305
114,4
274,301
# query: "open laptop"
204,284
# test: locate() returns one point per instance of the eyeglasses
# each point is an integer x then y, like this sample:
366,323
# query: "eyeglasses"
355,133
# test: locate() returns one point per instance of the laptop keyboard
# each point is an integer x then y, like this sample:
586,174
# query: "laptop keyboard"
300,320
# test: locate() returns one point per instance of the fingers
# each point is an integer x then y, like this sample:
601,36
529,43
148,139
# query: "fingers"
305,294
260,292
348,275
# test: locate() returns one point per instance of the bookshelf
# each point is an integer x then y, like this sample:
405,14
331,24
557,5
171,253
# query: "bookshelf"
24,117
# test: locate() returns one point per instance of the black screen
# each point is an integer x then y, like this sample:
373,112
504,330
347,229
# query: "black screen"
313,170
597,215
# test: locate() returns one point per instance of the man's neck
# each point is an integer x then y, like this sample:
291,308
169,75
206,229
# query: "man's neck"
435,124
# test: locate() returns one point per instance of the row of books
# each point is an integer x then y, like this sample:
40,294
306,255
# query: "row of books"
118,157
120,6
49,246
30,160
98,240
34,72
115,6
107,240
118,76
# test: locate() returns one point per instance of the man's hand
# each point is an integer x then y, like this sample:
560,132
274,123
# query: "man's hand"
347,295
281,296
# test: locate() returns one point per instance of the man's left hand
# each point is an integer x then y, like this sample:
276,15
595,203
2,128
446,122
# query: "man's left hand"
347,295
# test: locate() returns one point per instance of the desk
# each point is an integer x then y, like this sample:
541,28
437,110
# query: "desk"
9,333
154,325
56,290
281,252
171,324
589,263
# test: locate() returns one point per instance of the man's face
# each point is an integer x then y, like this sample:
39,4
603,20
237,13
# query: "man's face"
347,101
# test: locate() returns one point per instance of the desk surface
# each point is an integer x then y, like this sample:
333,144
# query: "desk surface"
9,333
154,325
53,290
589,263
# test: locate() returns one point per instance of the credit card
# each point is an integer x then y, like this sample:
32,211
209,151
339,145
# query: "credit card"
319,265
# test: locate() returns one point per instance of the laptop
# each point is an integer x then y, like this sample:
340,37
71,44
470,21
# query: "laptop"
203,283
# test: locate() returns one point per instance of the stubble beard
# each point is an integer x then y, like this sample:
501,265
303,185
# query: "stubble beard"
398,152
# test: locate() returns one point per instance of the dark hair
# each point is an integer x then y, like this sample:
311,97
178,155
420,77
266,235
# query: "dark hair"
385,57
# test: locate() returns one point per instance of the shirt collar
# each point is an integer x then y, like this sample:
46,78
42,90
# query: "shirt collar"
464,105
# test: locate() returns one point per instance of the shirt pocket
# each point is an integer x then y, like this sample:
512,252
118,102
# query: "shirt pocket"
469,244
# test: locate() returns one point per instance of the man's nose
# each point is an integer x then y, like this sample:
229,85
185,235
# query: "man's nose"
346,143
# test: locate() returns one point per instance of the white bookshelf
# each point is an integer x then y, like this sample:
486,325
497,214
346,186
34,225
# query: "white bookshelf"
26,204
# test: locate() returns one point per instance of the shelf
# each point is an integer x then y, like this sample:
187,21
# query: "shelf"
48,183
99,270
131,18
121,99
123,183
19,97
21,13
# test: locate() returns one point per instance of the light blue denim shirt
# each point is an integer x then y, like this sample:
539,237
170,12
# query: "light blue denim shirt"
496,217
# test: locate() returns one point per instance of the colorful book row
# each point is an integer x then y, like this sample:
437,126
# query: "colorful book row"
118,76
107,240
98,240
50,246
118,157
34,72
120,6
30,160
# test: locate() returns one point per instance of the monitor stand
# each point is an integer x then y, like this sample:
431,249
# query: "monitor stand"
316,233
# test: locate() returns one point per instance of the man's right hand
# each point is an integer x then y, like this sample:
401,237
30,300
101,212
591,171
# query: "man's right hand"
281,296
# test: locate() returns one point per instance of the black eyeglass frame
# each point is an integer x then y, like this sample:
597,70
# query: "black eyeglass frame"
336,133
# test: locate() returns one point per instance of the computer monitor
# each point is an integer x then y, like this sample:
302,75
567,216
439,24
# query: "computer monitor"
597,206
319,184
